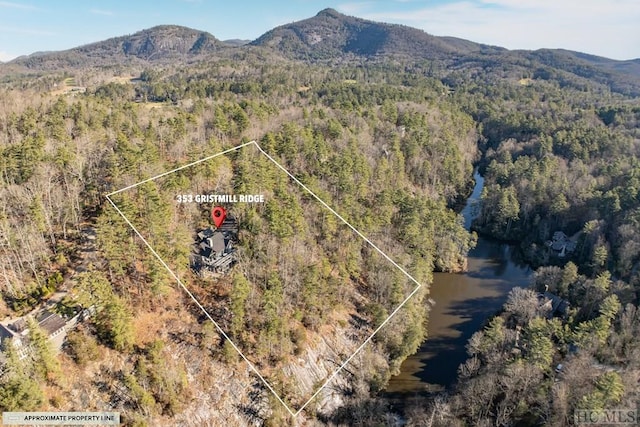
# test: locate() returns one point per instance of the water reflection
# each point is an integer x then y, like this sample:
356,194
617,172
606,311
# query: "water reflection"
463,304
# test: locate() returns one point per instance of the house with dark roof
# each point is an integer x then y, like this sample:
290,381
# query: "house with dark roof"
6,333
54,325
17,335
14,330
553,304
561,244
50,322
214,251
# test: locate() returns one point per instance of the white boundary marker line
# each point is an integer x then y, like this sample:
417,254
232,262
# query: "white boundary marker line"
410,277
181,167
200,306
297,181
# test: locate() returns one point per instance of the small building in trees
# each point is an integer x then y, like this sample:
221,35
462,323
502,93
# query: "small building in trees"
10,335
54,325
214,251
553,304
561,244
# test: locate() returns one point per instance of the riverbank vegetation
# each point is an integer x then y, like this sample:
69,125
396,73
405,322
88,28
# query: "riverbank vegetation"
389,152
388,141
554,161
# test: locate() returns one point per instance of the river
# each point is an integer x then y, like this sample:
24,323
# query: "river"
463,302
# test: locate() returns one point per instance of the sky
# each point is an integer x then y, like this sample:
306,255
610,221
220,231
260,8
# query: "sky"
609,28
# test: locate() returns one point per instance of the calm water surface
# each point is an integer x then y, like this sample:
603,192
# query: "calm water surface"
463,304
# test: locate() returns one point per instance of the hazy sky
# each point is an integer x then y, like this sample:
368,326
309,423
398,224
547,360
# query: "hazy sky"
608,28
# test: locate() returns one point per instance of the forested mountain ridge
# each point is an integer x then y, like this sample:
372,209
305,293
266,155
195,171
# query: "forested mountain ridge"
331,36
390,143
164,43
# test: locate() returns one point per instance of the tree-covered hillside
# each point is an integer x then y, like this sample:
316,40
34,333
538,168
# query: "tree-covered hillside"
390,155
390,142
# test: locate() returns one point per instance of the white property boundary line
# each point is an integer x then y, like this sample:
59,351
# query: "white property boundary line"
297,181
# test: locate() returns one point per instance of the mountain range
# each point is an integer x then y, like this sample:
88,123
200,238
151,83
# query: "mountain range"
331,36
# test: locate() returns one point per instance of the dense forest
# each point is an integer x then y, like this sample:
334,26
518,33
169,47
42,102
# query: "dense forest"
391,145
555,160
389,158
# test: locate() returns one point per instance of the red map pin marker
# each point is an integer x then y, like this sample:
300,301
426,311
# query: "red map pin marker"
218,214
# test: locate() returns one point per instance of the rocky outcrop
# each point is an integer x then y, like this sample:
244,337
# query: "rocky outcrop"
328,351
